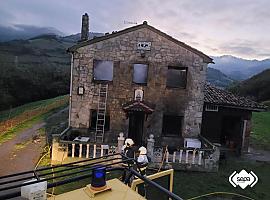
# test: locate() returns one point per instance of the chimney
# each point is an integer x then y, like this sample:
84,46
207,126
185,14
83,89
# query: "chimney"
85,27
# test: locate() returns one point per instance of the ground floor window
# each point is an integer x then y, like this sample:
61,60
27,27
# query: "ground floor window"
93,120
172,125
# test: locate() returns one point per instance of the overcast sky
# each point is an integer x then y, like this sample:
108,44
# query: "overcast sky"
216,27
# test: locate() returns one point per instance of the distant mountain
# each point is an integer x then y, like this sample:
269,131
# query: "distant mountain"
21,31
34,69
257,87
217,78
238,68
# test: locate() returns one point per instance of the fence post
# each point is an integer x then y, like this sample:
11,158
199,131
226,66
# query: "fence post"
167,156
174,154
121,141
200,157
95,151
193,156
101,151
73,150
180,155
55,146
59,152
87,151
80,152
150,146
187,152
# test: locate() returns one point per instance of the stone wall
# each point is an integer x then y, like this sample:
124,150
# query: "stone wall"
123,51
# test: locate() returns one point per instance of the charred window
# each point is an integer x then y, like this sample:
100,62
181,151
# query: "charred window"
140,73
103,70
172,125
93,121
177,77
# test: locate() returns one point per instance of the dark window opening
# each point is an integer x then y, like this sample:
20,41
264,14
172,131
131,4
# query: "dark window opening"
140,73
177,77
103,70
93,121
172,125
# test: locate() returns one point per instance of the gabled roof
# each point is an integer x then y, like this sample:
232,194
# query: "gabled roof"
214,95
206,58
137,105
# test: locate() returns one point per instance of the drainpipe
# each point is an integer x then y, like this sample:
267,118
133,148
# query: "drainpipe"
70,91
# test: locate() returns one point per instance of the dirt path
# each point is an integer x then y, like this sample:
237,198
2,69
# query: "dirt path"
21,153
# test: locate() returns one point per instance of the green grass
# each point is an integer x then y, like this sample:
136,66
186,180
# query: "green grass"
261,129
191,184
11,133
6,114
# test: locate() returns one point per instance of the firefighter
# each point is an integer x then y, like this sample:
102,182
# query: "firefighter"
142,163
142,160
128,152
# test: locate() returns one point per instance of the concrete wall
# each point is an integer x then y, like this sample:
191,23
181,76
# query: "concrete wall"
123,51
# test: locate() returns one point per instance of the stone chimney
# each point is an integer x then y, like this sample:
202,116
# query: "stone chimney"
85,27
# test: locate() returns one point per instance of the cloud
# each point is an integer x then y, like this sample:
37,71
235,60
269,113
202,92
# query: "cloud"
208,24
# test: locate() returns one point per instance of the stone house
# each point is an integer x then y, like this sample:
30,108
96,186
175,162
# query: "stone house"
153,84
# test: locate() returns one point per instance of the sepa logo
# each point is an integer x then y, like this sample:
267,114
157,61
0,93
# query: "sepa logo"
243,179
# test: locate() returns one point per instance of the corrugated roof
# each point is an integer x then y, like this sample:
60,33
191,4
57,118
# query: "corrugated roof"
206,58
214,95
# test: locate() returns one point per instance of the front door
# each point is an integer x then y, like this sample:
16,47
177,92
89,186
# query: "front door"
135,131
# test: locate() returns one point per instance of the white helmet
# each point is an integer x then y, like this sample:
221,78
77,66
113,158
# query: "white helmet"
143,151
129,142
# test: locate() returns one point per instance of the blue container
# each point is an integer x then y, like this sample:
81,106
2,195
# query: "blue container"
99,177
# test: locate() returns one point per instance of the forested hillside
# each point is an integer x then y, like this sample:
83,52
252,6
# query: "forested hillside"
217,78
256,87
35,69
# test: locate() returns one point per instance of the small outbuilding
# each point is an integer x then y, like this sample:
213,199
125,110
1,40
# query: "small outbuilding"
227,118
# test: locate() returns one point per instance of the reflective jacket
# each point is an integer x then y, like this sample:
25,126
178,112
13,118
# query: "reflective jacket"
142,161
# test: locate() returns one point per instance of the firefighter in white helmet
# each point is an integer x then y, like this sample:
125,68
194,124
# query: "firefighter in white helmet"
142,160
128,152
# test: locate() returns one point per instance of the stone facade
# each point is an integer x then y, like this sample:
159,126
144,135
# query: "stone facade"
122,50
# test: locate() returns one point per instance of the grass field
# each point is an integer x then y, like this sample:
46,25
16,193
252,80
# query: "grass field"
261,129
23,117
192,184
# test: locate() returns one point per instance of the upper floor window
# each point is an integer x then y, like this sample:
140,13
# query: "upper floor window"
140,72
177,77
103,70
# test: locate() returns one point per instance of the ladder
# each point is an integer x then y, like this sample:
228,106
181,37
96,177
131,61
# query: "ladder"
101,112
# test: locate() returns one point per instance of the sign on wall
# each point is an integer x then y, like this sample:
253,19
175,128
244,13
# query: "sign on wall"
144,46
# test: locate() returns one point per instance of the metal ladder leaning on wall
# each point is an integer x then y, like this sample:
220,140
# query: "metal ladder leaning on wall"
101,112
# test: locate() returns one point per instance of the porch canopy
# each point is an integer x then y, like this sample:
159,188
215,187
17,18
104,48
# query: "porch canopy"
138,106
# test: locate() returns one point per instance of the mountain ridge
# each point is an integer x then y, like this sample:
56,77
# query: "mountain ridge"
239,68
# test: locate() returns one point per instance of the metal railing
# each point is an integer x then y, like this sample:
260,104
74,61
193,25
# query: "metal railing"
9,192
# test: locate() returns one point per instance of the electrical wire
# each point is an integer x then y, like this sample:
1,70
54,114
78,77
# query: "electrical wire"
213,193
